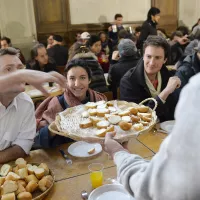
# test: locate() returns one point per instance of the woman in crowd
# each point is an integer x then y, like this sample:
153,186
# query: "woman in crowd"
40,60
77,92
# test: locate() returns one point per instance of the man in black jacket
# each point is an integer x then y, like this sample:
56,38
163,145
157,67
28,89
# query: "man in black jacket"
58,52
189,67
150,78
128,59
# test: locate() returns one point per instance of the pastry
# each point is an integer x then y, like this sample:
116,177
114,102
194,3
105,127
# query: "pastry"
124,113
39,173
21,163
24,196
22,182
146,119
85,114
15,169
92,112
110,103
10,196
32,186
114,119
100,102
143,109
5,169
126,118
95,120
31,177
2,180
103,124
101,112
23,172
86,123
133,110
101,132
110,128
125,125
144,123
112,109
45,183
138,127
45,167
12,176
91,151
135,118
101,106
144,115
90,105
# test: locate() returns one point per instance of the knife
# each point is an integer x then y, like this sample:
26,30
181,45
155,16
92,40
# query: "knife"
64,155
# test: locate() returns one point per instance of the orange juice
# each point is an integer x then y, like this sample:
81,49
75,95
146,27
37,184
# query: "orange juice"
96,178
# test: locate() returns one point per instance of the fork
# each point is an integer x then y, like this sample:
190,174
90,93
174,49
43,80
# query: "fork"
64,155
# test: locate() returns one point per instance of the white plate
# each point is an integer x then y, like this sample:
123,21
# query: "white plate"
110,191
167,126
81,148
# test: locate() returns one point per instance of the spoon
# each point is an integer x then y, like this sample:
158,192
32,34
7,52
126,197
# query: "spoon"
84,195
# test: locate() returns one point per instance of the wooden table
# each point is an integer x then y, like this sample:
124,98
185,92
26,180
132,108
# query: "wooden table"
71,180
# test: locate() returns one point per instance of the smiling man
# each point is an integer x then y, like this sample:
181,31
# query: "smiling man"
17,120
151,78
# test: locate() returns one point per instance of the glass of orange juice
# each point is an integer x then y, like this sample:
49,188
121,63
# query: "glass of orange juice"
96,174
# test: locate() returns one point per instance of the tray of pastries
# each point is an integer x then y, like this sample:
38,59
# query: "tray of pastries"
91,122
25,181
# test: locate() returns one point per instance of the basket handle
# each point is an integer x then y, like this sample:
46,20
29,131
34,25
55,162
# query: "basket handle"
148,99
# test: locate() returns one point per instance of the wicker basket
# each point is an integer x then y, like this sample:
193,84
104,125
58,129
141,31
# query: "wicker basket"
73,131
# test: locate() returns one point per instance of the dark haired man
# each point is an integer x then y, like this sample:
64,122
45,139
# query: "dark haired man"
151,78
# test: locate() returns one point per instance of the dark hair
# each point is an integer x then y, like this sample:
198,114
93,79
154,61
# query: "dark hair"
123,34
195,24
78,62
93,39
152,11
102,32
58,38
9,51
183,29
176,33
34,50
138,29
118,15
157,41
8,40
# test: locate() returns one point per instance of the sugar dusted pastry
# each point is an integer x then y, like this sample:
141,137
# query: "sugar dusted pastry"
95,120
124,113
138,127
112,109
143,109
101,132
92,112
114,119
90,105
125,125
133,110
100,102
135,118
101,106
126,118
110,128
85,114
101,112
86,123
103,124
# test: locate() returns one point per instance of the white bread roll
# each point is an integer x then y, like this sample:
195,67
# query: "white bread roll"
5,169
23,173
12,176
90,105
39,173
32,186
24,196
114,119
103,124
86,123
45,167
10,196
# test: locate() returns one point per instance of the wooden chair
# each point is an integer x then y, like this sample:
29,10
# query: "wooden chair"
61,69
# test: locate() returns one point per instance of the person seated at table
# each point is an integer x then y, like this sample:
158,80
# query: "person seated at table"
106,44
98,82
151,79
189,67
58,52
6,42
17,119
50,41
173,173
40,60
128,59
78,92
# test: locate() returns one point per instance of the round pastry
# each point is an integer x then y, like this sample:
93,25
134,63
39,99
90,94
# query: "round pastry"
90,105
125,125
95,120
86,123
143,109
126,118
133,110
135,118
92,112
124,113
114,119
101,132
101,112
138,127
103,124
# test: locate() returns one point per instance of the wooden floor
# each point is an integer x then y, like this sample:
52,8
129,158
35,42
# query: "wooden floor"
71,180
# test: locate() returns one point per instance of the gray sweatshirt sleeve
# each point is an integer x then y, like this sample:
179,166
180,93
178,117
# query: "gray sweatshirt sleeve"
174,172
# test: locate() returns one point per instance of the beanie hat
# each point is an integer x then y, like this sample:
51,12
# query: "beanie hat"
127,47
85,35
93,39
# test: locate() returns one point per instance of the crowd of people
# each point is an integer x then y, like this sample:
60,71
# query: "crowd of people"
136,63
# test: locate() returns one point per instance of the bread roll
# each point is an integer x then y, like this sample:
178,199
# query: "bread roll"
146,119
143,109
32,186
45,167
2,180
133,110
15,169
31,177
90,105
101,132
12,176
125,125
22,182
10,196
24,196
126,118
144,115
30,169
100,103
124,113
114,119
21,163
86,123
135,118
20,189
110,103
39,173
101,106
112,109
9,187
45,183
23,173
103,124
5,169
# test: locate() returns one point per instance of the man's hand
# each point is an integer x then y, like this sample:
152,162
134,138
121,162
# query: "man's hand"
111,146
173,83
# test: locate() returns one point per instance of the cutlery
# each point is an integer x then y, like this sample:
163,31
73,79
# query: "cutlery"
84,195
64,155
